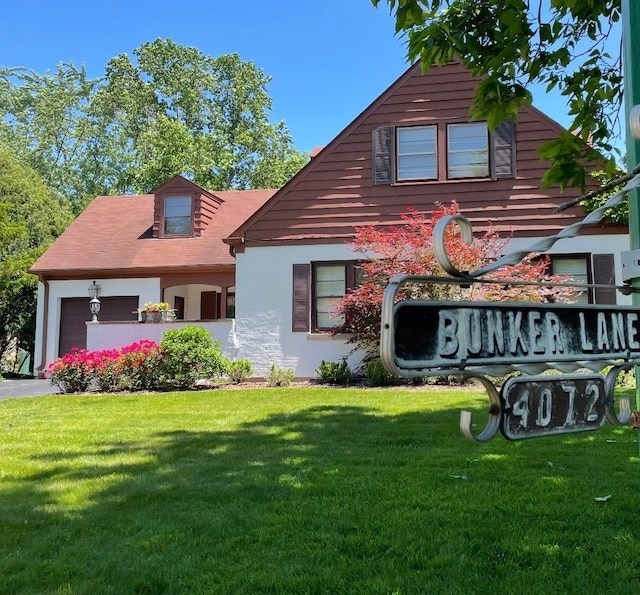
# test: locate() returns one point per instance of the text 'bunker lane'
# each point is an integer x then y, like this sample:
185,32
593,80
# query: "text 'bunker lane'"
448,331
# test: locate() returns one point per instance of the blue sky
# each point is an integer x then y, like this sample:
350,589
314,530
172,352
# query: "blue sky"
328,59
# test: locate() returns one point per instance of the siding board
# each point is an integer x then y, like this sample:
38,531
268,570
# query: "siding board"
335,192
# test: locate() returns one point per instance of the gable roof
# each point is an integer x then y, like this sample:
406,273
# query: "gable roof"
334,193
113,236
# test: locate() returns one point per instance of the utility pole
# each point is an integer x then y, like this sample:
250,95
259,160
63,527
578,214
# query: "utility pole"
631,73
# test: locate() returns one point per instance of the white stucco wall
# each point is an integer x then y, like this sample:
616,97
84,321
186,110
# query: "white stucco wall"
264,286
264,301
148,290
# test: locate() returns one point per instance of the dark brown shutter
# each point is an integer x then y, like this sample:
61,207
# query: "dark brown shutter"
301,297
383,142
604,274
503,150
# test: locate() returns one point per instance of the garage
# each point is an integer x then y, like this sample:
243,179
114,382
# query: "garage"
74,314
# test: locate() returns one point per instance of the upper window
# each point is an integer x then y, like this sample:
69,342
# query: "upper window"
177,216
467,150
417,153
410,154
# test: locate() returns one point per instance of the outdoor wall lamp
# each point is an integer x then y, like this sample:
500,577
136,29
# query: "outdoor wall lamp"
94,302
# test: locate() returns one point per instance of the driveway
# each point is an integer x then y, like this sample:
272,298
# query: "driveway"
30,387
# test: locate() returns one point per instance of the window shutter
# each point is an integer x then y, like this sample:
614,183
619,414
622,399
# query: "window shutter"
604,273
301,298
503,150
383,143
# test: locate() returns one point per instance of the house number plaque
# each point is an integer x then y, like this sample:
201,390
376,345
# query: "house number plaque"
546,405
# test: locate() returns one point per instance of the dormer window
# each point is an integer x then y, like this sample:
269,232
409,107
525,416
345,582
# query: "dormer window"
181,209
177,216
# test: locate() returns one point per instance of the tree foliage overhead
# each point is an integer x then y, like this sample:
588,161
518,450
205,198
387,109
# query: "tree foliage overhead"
408,249
168,109
31,217
568,46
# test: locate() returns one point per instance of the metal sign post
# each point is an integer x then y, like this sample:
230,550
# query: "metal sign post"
631,64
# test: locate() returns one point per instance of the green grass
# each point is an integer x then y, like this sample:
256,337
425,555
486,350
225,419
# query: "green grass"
307,491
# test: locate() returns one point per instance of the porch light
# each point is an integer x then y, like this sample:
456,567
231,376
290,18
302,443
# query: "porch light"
94,290
94,302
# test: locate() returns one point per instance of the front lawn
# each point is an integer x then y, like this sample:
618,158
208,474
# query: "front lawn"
307,490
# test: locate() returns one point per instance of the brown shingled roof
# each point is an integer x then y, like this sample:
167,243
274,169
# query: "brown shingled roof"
114,236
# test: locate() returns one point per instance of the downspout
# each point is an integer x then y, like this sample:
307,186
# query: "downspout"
39,370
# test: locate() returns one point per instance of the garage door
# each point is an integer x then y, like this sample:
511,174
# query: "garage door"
74,314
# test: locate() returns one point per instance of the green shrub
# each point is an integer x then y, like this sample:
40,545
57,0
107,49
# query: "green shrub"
239,370
280,377
334,372
378,375
189,354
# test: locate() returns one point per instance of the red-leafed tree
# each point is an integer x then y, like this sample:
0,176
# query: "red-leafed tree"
408,249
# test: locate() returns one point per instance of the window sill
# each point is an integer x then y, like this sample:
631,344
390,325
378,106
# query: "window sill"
442,181
325,336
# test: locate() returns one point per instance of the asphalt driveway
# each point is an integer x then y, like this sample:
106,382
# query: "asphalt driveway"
30,387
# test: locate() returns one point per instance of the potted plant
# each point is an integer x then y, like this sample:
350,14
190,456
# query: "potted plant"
156,312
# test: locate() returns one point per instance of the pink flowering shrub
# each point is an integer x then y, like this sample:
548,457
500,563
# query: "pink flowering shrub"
72,372
131,368
137,366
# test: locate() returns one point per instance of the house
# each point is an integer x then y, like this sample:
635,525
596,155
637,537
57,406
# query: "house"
165,246
282,258
414,146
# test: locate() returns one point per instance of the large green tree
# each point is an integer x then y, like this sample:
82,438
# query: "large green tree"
571,46
46,121
168,109
31,217
175,109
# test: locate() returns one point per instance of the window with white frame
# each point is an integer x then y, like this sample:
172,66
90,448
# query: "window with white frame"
416,153
575,267
467,150
330,287
331,282
177,216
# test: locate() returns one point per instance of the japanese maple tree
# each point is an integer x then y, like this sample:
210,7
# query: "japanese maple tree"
408,249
